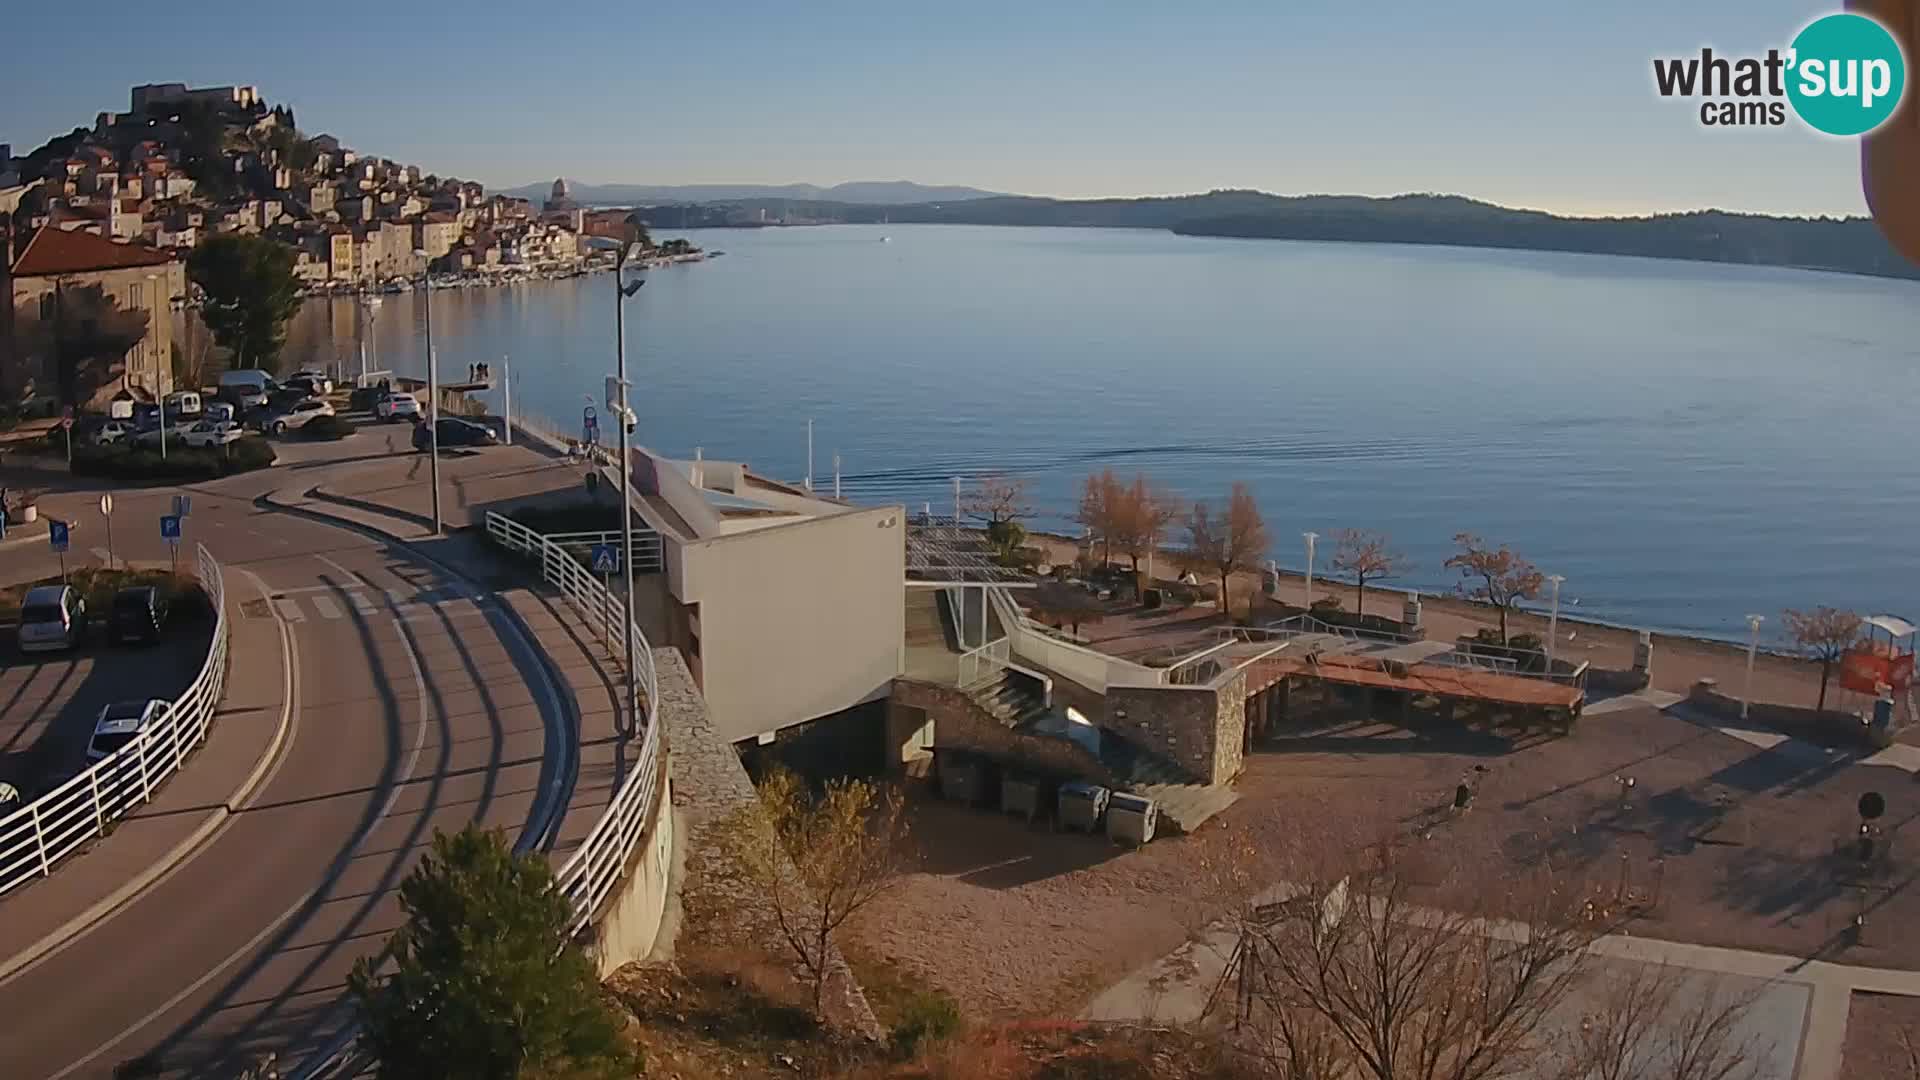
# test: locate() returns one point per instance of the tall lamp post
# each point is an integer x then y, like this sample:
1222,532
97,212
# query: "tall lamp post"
1753,646
623,290
1310,538
433,396
1553,621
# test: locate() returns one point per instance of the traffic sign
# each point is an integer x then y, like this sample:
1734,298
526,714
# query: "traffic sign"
606,559
182,505
57,535
170,528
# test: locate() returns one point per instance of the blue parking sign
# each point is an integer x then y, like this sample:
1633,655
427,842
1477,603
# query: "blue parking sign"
606,559
170,528
57,535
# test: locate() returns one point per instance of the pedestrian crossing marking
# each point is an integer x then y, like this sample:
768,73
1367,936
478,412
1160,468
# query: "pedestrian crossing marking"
326,606
289,610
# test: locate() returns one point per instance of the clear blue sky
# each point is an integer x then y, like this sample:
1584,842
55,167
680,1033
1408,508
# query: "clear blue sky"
1521,103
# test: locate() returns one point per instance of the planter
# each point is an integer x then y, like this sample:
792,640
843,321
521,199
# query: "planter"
29,514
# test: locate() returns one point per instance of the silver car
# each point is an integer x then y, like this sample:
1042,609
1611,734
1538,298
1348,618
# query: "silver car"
53,618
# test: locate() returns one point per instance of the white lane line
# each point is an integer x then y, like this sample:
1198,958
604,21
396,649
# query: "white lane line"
289,610
326,606
360,601
406,775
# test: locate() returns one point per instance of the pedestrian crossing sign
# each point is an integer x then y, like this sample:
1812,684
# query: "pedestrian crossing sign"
606,559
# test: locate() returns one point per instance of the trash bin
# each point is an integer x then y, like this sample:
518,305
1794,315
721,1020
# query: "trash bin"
960,779
1131,818
1020,795
1081,806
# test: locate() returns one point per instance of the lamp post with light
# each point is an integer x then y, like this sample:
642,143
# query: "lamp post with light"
433,393
624,249
1753,646
1310,538
1553,621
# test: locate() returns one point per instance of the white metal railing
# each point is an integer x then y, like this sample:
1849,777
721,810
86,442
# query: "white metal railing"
595,868
648,554
34,838
983,662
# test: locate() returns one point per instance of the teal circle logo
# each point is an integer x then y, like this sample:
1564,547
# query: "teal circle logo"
1846,74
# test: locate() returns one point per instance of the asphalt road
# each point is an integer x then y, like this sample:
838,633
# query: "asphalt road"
416,706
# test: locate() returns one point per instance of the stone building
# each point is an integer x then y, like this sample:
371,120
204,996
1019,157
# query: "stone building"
133,276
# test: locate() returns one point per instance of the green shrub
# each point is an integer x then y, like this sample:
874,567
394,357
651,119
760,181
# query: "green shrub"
327,427
128,466
927,1017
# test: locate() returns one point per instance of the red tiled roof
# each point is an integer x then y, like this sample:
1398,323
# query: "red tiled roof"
55,251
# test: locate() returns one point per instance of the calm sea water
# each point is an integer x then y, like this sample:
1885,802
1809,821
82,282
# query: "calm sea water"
1684,442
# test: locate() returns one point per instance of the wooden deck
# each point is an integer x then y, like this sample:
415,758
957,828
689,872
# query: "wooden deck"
1459,684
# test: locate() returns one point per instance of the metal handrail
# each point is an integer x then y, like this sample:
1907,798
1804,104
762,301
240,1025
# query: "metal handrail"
36,837
595,868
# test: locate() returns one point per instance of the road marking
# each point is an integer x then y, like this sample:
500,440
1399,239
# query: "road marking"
361,602
406,776
289,610
326,606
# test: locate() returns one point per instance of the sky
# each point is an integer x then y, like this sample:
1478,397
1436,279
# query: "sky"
1523,104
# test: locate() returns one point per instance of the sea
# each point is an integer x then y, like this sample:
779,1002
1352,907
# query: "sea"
1686,443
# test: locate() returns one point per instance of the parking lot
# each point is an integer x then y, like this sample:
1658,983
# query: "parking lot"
48,701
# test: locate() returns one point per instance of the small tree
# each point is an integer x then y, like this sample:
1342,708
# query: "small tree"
1100,499
816,861
485,981
1364,555
1497,577
1229,542
1825,634
251,293
86,334
1141,516
1000,502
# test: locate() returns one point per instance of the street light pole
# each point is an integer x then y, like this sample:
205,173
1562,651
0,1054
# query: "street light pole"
1310,538
433,403
620,294
1553,621
1753,646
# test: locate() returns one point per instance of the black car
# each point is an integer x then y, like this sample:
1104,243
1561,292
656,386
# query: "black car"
454,431
139,613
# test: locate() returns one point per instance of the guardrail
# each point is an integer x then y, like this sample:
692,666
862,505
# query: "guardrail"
595,868
36,837
648,554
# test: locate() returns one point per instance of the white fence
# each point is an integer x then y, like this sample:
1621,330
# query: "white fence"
595,869
34,838
1093,670
648,554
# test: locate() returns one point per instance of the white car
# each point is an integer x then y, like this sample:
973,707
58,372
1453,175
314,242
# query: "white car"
121,722
297,416
317,380
53,618
396,406
208,434
149,438
112,432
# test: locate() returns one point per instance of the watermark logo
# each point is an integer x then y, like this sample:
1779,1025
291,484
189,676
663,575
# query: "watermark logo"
1844,74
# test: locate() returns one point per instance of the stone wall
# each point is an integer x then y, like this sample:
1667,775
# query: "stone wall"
1830,728
959,723
1202,729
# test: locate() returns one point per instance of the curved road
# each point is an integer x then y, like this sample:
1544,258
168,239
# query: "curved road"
416,705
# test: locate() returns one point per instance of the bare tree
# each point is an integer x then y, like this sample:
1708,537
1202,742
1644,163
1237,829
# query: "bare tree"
1100,498
1825,634
1653,1022
1229,542
1364,555
1498,577
816,861
997,499
1141,518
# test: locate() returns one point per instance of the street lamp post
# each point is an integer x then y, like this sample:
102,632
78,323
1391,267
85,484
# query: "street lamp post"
1753,646
1310,538
1553,621
622,291
433,397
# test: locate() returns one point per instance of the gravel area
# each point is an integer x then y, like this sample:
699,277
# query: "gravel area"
1720,843
1878,1026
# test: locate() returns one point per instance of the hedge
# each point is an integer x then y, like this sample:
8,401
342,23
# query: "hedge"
131,466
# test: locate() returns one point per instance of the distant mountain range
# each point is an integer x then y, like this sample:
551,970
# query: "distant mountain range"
860,192
1848,245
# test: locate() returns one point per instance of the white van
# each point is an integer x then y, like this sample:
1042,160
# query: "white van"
246,387
183,403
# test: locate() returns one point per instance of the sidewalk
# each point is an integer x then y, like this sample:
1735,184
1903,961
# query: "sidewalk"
240,749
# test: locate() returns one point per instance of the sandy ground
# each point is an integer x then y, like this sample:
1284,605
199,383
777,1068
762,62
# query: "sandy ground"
1728,845
1878,1029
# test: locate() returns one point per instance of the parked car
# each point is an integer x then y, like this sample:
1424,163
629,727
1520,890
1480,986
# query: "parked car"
209,435
244,397
121,722
250,380
218,412
317,382
454,431
139,613
113,432
149,437
184,403
363,398
296,417
287,397
395,405
53,618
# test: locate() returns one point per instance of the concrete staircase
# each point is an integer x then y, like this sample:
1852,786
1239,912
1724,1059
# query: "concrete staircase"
1015,700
